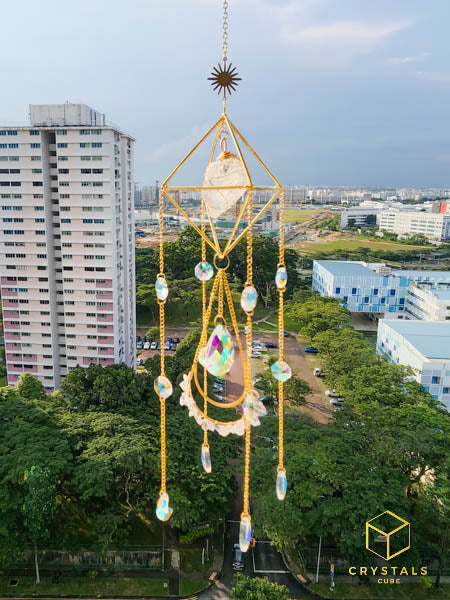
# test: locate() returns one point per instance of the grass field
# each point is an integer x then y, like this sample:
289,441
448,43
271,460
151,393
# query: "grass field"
352,243
3,381
85,585
296,215
384,591
191,586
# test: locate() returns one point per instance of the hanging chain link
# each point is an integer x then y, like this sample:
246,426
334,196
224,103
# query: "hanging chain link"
245,508
281,341
204,331
162,335
225,31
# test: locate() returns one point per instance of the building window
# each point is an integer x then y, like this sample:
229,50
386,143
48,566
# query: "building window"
61,132
354,291
35,145
375,292
435,379
445,390
392,292
402,301
34,132
383,300
61,145
338,290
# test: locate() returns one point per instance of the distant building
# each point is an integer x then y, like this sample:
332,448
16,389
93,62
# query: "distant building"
370,287
422,345
431,225
358,216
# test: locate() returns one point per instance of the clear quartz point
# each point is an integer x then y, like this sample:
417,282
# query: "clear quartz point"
206,458
163,510
245,533
281,484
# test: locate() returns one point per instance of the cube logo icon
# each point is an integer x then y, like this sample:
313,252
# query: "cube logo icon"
388,535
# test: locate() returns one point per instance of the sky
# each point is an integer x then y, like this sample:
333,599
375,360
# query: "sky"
333,92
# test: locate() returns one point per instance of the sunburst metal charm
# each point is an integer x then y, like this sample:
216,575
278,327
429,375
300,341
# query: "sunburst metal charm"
224,78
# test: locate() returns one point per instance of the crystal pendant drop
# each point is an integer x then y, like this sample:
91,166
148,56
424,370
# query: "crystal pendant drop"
249,298
204,271
281,370
281,278
253,408
281,484
162,291
163,387
245,533
163,510
206,458
219,353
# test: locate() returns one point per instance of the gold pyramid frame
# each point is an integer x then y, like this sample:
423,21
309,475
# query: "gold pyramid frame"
224,125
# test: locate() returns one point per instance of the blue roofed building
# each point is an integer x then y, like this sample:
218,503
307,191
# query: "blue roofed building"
422,345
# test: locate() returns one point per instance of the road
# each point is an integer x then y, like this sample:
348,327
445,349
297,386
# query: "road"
263,561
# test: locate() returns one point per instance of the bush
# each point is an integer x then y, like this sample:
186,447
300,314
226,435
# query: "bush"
92,574
195,534
425,582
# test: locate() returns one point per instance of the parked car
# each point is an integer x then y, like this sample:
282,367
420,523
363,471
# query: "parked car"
286,333
173,347
140,361
140,345
153,346
271,345
167,346
319,373
256,354
169,339
218,386
158,347
332,394
144,338
138,338
310,350
337,401
257,383
147,346
176,340
238,563
265,399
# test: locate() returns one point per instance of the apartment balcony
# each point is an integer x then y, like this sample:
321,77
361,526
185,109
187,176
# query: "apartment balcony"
22,369
106,295
106,352
12,379
106,340
105,319
9,325
107,328
11,358
6,294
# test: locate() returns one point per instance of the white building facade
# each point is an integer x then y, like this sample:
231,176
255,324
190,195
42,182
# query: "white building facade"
422,345
431,225
66,243
428,303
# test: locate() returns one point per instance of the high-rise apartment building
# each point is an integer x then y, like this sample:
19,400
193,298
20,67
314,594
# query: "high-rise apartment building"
66,243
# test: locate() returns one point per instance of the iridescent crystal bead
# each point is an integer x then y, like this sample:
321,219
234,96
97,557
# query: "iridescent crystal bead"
162,291
281,370
219,353
249,298
281,484
245,533
281,278
206,458
163,510
253,408
163,387
204,271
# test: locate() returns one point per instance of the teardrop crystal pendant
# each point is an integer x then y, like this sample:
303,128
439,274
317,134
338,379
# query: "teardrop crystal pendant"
281,278
245,533
281,484
163,510
249,298
219,353
206,458
162,291
204,271
253,408
281,370
163,387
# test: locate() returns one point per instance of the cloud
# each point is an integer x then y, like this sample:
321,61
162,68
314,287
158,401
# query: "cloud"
440,76
403,60
356,34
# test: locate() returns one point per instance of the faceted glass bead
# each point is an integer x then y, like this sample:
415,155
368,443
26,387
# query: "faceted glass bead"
254,408
163,510
163,387
281,484
206,458
162,291
204,271
281,278
281,370
219,353
245,533
249,298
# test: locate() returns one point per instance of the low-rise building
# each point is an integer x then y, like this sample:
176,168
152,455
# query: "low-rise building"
428,303
360,216
431,225
422,345
370,287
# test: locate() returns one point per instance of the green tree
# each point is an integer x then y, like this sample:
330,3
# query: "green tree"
318,314
29,387
152,334
295,389
247,588
38,506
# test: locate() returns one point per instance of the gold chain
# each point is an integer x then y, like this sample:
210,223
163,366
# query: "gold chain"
245,508
163,444
225,31
281,341
204,330
162,334
249,282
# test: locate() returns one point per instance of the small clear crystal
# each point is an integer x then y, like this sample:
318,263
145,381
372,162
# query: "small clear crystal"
162,291
249,297
163,387
281,484
163,510
204,271
281,370
281,278
245,532
206,458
